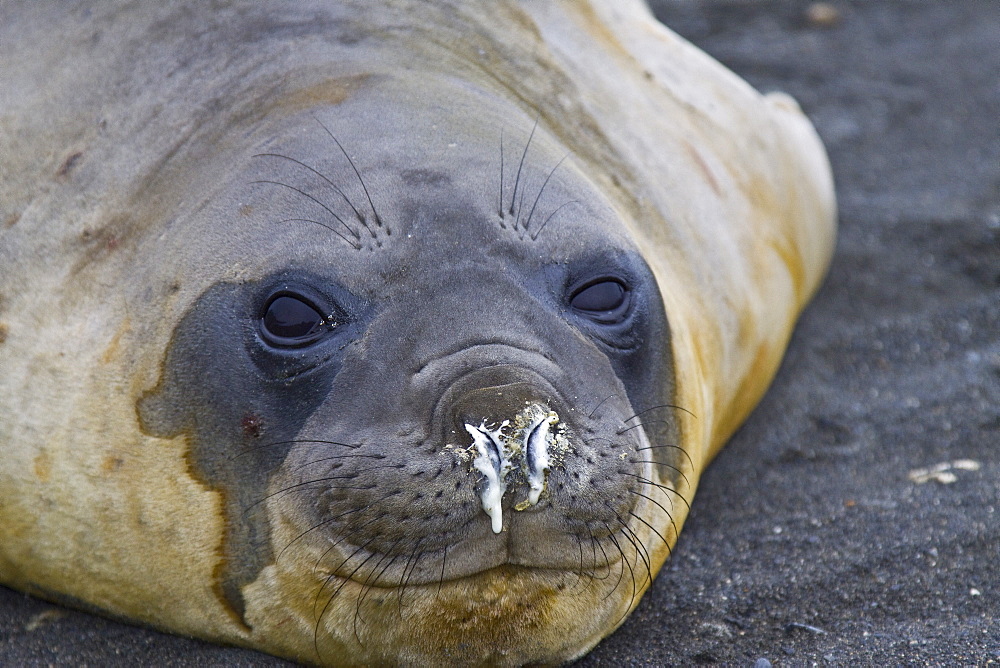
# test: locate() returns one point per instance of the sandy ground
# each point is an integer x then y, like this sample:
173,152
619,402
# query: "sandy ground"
810,541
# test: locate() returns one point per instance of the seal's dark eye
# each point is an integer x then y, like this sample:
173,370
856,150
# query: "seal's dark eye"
290,321
602,298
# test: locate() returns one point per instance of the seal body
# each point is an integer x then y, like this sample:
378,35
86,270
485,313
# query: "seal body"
380,332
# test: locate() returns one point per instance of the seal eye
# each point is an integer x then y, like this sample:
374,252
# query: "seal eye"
290,321
605,300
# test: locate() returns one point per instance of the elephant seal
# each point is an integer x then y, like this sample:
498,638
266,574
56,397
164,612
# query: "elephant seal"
380,333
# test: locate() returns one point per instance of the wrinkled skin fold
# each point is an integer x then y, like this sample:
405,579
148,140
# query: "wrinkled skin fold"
367,333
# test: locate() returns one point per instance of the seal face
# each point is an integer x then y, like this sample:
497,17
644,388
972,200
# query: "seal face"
381,334
428,423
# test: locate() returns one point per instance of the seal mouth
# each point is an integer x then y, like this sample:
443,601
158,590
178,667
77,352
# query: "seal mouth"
596,562
556,539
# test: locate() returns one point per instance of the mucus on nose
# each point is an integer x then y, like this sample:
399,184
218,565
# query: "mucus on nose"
536,459
499,451
493,463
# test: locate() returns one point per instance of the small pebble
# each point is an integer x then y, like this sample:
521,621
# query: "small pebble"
822,15
804,627
43,618
762,663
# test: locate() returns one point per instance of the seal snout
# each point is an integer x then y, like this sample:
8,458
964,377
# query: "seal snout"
515,438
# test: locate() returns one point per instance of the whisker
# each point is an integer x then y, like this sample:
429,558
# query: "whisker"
353,244
333,546
383,569
541,190
378,219
663,488
668,466
500,201
541,227
520,210
319,619
640,552
670,551
580,571
643,412
334,574
314,527
415,558
607,561
333,185
611,537
300,485
254,448
635,585
444,560
327,459
657,503
366,589
637,543
314,199
675,447
342,585
517,179
643,424
610,396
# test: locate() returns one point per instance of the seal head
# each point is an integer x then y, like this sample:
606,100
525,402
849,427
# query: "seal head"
430,401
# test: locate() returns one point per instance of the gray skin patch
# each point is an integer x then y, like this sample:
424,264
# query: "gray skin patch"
351,430
242,405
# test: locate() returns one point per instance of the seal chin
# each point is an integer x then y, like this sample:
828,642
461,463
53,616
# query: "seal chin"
501,616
